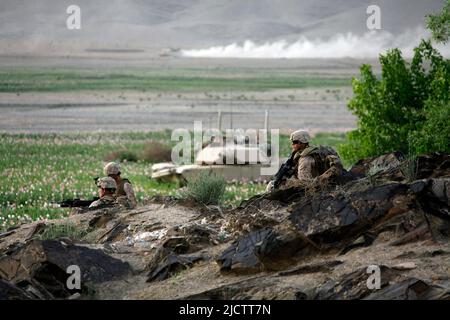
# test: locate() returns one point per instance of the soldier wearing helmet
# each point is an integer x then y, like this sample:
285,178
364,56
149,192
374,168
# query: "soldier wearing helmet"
305,163
124,193
106,189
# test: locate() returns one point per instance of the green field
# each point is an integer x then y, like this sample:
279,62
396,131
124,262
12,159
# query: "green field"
180,80
38,170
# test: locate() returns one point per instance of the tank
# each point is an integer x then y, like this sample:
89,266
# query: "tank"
213,158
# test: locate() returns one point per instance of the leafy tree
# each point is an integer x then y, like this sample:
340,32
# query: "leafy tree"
439,24
407,109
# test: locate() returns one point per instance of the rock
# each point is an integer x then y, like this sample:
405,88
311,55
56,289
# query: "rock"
346,219
417,234
38,228
8,291
412,289
405,266
287,195
435,253
199,235
7,233
426,254
387,163
264,249
193,236
100,221
435,198
258,288
177,245
433,165
171,265
241,255
171,258
43,266
75,296
391,166
113,233
440,188
418,186
393,286
363,241
354,285
332,218
326,266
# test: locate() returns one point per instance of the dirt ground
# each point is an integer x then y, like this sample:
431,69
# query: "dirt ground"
312,109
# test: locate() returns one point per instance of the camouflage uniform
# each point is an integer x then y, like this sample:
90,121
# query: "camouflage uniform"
315,163
106,183
104,201
124,192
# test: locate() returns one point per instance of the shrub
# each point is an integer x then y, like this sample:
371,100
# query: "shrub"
207,188
156,152
406,110
121,156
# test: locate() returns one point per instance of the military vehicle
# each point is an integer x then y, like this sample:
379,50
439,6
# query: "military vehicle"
214,158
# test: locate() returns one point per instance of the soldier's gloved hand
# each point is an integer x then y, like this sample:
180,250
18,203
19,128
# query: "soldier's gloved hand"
270,186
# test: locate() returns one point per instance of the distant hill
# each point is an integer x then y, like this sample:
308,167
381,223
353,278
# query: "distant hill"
38,27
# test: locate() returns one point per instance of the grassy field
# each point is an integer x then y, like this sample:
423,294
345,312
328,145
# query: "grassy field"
180,80
39,170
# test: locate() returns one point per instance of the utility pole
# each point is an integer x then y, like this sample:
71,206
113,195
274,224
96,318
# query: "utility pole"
219,120
266,121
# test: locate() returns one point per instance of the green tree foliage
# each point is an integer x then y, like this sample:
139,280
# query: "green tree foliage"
407,109
439,24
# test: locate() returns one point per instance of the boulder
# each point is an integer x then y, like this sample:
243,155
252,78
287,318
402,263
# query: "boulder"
393,286
434,198
395,166
171,265
264,249
354,285
412,289
386,164
258,288
43,265
434,165
331,218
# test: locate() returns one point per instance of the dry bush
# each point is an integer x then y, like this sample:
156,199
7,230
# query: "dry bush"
121,156
156,152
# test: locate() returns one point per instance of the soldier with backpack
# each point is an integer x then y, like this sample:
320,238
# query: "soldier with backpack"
306,164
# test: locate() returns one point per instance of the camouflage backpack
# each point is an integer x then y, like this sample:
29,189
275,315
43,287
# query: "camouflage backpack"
319,154
120,191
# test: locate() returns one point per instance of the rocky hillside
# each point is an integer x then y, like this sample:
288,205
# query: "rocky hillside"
386,212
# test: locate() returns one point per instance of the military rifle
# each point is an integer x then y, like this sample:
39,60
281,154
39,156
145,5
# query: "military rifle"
73,203
284,172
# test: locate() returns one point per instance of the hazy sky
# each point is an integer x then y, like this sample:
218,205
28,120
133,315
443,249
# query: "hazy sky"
288,28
